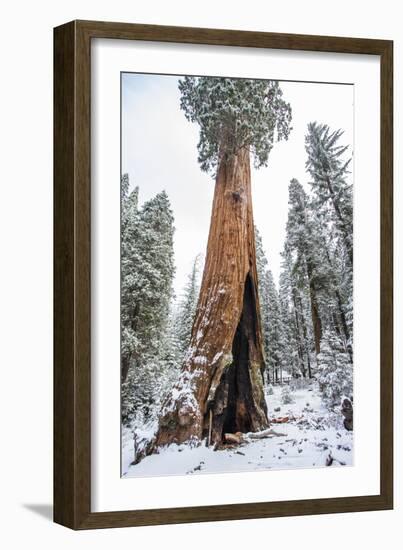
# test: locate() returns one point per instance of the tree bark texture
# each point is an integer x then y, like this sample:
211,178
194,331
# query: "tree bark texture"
125,363
220,388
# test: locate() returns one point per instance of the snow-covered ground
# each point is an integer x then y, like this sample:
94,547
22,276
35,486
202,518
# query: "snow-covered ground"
313,437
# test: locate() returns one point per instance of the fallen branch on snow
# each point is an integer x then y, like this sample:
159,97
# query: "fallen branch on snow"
264,434
239,437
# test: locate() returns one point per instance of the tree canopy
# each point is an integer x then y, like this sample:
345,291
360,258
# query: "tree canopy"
234,113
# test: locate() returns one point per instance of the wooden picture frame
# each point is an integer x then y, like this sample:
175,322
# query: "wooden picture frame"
72,270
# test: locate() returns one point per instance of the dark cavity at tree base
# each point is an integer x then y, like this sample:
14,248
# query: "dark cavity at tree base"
235,407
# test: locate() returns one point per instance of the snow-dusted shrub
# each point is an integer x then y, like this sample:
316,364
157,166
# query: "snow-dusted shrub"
286,395
269,390
142,437
298,384
335,371
145,388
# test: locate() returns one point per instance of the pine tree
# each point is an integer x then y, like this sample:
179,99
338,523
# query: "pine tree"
170,350
289,343
187,307
130,266
158,267
295,314
272,328
328,167
329,173
275,336
318,264
264,300
306,246
147,270
316,272
335,372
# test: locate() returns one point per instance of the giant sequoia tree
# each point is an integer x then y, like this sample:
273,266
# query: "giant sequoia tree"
220,388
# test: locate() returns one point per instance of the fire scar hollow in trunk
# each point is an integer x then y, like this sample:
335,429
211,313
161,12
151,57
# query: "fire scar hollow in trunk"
233,408
220,388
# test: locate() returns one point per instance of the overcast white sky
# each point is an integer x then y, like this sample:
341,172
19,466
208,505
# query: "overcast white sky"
159,152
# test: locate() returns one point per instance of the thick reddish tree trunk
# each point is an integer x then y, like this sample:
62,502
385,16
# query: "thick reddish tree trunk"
220,388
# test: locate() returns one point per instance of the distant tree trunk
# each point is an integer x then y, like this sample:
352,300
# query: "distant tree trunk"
317,325
316,320
221,385
306,341
300,339
124,368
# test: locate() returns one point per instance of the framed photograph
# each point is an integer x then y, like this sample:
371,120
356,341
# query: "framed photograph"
222,275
